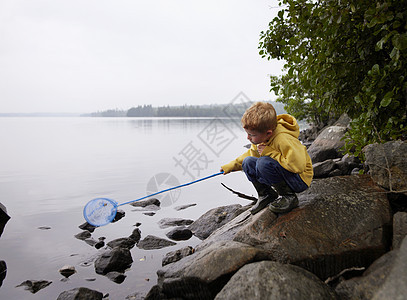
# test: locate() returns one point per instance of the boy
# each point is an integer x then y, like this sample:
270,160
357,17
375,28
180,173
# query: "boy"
277,163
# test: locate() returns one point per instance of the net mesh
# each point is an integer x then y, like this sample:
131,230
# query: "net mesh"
100,211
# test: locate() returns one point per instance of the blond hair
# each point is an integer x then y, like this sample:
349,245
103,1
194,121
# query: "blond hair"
261,116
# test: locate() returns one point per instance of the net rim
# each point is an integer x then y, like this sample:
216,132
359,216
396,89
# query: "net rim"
112,216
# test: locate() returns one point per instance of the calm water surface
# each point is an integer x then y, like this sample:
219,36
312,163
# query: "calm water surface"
51,167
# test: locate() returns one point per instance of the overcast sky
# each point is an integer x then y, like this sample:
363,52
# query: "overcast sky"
87,55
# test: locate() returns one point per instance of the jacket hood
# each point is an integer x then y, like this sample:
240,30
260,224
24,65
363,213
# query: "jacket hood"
287,124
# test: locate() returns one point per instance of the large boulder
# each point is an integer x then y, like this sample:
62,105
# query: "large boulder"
388,165
214,219
273,280
342,222
208,268
329,142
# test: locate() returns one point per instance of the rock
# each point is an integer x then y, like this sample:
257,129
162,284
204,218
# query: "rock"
91,242
34,285
67,271
273,280
214,219
116,277
116,259
399,228
395,286
149,213
179,234
181,207
364,287
83,235
328,144
136,235
4,217
99,244
204,272
87,226
81,293
3,271
169,222
342,222
151,242
44,228
124,242
176,255
119,215
389,157
145,203
324,168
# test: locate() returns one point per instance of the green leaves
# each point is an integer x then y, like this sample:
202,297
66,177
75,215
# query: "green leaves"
343,56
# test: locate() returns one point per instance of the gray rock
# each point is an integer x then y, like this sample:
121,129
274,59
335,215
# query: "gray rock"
170,222
136,235
176,255
389,157
206,268
124,242
83,235
116,259
34,285
81,293
179,234
273,280
323,168
182,207
3,271
145,203
395,288
214,219
67,271
116,277
328,144
151,242
342,222
399,228
4,217
87,226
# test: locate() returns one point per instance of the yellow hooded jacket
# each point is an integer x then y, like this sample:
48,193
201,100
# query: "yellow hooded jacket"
283,147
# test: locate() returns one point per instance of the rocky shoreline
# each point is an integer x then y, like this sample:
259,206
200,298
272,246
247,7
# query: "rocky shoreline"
346,240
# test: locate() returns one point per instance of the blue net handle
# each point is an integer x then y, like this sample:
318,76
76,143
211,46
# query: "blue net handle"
172,188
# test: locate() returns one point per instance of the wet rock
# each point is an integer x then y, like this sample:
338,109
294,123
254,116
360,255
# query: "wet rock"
273,280
136,235
87,226
145,203
170,222
176,255
99,244
388,157
149,214
342,222
4,217
91,242
67,271
3,271
116,277
81,293
399,228
116,259
44,228
182,207
214,219
83,235
151,242
34,285
119,215
125,242
179,234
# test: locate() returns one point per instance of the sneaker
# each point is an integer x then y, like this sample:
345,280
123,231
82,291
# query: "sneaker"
261,203
284,203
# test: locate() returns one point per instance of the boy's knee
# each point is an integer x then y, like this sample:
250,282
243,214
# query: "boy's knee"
265,163
249,162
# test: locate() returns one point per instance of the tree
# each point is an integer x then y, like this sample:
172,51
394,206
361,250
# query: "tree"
343,56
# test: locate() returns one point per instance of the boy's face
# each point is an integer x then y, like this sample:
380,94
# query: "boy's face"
256,137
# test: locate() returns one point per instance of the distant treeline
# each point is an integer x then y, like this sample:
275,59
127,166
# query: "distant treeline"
188,111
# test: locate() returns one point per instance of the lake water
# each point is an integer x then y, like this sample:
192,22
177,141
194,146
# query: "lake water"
51,167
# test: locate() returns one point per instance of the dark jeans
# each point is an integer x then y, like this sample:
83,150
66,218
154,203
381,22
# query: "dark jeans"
268,171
